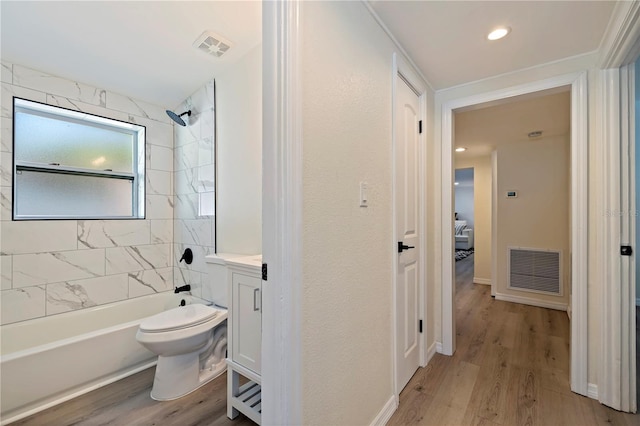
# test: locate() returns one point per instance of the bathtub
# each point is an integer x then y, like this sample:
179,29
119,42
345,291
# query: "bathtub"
46,361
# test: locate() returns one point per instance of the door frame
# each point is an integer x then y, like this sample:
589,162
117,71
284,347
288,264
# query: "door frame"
579,206
405,71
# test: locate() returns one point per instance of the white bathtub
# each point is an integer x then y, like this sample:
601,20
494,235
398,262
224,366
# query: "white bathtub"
46,361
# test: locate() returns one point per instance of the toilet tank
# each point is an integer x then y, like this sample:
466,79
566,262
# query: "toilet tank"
216,288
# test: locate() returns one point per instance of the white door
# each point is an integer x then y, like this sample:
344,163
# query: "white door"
406,206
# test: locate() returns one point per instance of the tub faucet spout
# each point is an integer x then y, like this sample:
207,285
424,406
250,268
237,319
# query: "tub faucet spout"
183,288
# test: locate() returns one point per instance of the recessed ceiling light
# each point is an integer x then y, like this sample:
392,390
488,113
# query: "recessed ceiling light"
456,183
498,33
461,149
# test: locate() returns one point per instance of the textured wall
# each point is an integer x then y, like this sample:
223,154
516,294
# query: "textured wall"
482,214
347,271
239,91
538,217
49,267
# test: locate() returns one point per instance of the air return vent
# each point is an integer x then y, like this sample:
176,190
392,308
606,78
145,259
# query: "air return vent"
535,270
212,43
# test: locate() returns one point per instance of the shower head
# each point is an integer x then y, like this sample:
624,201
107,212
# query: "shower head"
178,118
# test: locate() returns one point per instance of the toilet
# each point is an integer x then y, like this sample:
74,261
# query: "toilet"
191,344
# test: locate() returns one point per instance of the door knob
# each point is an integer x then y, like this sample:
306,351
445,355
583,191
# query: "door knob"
402,246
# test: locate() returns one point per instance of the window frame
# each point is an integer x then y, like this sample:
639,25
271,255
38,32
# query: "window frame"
137,177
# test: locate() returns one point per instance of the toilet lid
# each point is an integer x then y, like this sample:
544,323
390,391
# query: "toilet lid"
178,318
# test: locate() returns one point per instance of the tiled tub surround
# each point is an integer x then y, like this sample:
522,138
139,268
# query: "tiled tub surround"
50,267
37,371
194,180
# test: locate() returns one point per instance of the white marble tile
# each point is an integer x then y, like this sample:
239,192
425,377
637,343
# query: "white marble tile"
112,233
205,151
159,182
207,204
38,80
199,253
77,105
46,268
187,206
6,137
136,107
186,156
38,236
186,181
22,304
150,281
185,135
7,72
80,294
137,258
160,134
9,91
162,231
159,207
6,272
159,158
183,276
206,178
207,125
6,200
6,168
197,232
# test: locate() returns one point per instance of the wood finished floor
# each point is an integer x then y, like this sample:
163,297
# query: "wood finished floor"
511,367
127,403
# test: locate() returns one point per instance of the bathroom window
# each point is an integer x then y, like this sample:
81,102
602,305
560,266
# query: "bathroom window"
74,165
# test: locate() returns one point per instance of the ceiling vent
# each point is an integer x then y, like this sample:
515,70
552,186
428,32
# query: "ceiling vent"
212,43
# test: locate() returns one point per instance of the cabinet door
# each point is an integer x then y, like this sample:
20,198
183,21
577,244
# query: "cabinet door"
247,321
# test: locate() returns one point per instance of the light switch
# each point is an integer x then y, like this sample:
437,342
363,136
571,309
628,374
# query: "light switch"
364,201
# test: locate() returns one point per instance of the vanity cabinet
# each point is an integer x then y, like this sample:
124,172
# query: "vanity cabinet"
244,337
247,320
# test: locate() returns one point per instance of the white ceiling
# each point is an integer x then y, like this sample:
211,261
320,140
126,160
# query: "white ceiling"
144,48
139,48
447,39
482,130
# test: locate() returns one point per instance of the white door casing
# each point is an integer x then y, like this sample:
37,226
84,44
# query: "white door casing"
407,231
579,208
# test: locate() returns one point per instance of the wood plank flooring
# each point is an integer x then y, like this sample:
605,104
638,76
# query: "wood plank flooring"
127,403
511,367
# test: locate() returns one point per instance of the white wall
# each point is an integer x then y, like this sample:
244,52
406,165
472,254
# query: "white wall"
482,214
464,204
55,266
239,209
348,255
537,217
637,123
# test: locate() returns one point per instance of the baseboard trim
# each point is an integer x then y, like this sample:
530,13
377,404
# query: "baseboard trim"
431,351
569,312
484,281
439,347
532,302
385,414
592,391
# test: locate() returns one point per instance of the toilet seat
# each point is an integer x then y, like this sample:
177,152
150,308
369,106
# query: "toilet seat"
179,318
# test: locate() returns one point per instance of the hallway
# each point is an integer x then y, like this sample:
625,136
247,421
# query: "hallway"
511,367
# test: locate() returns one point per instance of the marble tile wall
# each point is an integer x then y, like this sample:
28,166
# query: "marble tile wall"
50,267
194,180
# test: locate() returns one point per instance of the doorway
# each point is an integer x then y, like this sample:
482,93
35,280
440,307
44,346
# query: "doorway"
578,208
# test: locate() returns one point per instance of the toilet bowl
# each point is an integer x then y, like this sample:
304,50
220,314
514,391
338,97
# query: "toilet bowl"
190,342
